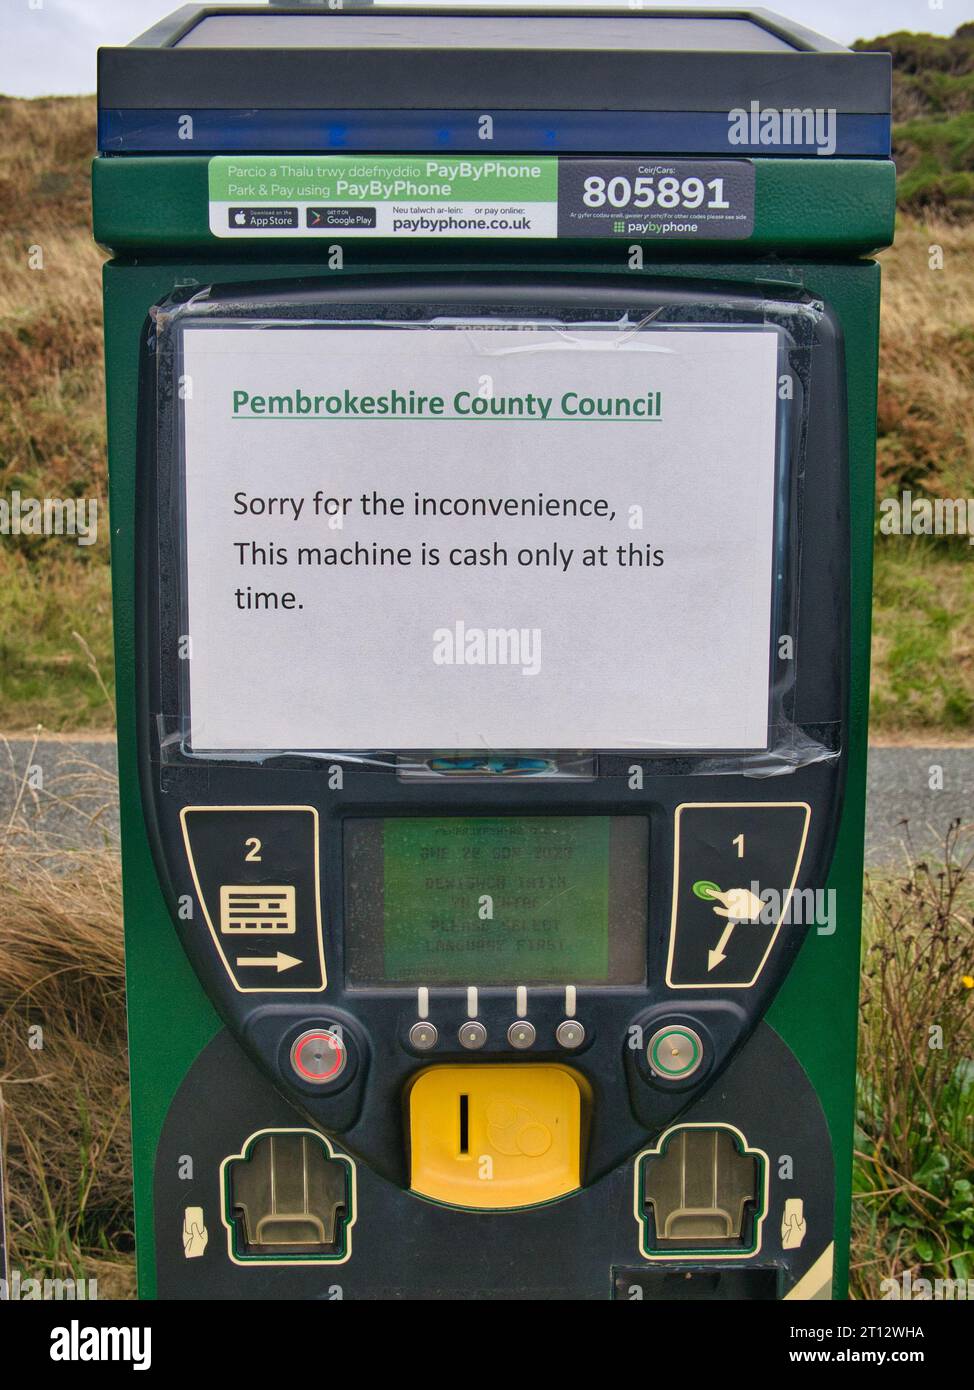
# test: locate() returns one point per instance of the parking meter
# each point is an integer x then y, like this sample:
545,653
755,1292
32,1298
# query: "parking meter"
492,409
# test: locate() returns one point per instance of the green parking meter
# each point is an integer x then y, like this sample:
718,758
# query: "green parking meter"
492,409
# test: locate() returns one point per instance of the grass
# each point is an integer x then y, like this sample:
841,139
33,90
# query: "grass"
63,1064
938,173
923,639
45,674
913,1206
52,431
923,600
926,389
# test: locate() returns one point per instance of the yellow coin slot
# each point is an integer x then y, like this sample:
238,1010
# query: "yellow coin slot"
489,1137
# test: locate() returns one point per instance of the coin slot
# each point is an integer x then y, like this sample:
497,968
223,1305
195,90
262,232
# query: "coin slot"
464,1124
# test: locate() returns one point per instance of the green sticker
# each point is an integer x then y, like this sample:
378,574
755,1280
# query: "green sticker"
706,890
486,196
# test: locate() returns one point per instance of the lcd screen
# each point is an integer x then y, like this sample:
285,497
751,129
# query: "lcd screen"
492,900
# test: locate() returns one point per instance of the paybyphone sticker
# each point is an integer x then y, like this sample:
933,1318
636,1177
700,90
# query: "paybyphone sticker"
450,196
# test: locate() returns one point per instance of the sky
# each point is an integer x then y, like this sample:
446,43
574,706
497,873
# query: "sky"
48,46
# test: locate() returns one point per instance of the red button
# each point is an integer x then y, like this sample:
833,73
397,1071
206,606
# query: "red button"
319,1056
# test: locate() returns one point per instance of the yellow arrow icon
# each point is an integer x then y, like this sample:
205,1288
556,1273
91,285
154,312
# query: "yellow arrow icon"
280,961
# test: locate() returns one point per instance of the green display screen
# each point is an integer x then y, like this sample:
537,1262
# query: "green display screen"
496,900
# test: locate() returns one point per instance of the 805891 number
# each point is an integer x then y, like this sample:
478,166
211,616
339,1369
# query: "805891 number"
669,193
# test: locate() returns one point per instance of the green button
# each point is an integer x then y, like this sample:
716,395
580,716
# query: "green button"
675,1052
706,890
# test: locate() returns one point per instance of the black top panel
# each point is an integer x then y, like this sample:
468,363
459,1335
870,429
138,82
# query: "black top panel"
655,32
226,57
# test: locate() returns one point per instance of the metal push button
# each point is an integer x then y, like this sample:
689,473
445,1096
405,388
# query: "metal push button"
675,1052
319,1056
472,1036
570,1033
423,1036
521,1034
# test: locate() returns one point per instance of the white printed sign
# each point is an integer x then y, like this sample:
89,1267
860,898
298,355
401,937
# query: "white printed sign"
479,538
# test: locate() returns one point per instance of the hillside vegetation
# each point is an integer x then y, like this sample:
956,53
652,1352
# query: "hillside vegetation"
933,113
923,598
52,432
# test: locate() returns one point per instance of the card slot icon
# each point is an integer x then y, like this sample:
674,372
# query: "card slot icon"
255,872
257,910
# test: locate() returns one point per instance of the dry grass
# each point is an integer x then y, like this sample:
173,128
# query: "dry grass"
926,394
45,146
51,430
50,356
923,600
63,1064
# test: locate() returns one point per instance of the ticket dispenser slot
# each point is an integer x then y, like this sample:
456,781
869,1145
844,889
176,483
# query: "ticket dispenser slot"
703,1192
287,1197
